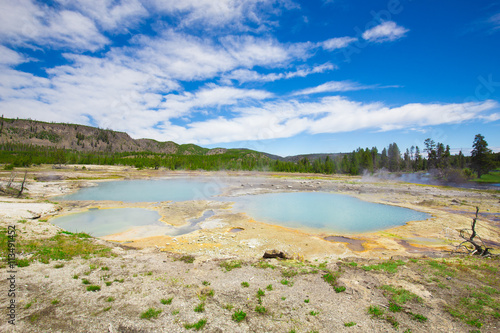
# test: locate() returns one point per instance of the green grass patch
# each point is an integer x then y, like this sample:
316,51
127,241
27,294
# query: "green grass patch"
264,264
418,317
260,309
239,315
150,313
375,311
167,301
93,288
197,326
391,320
269,287
492,177
286,282
442,269
350,324
200,307
339,289
245,284
110,299
188,259
59,247
394,307
229,265
288,273
399,295
390,266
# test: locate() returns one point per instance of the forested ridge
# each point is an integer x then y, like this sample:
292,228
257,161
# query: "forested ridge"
26,142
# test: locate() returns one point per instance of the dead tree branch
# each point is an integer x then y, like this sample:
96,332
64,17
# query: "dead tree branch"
473,244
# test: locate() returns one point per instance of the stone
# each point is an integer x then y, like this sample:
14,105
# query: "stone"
275,254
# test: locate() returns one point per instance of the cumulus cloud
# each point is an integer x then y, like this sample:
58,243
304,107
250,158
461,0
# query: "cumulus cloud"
385,32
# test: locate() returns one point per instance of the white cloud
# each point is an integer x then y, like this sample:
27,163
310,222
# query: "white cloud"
109,14
385,32
185,57
25,22
220,14
495,21
334,114
337,43
10,57
333,86
245,75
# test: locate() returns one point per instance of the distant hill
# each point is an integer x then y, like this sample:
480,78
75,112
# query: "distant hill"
89,139
310,157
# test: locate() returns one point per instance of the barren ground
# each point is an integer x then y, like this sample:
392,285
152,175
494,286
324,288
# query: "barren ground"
454,293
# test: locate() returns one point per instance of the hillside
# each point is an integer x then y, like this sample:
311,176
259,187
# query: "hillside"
88,139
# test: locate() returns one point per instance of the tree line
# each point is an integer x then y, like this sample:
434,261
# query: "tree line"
434,156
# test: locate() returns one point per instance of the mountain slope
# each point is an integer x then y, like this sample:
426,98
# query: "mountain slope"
88,139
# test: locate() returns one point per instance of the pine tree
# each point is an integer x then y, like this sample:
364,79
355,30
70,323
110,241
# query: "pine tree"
480,156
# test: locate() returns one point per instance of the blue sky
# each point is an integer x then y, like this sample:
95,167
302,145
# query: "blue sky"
281,76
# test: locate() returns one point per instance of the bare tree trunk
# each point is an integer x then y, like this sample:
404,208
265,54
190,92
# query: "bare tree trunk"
22,185
12,176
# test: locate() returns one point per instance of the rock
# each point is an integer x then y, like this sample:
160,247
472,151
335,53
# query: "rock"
275,254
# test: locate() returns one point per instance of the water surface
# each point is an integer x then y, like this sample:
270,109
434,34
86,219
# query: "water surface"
148,190
325,211
102,222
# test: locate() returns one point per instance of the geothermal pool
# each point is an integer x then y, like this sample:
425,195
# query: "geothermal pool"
324,211
148,190
317,211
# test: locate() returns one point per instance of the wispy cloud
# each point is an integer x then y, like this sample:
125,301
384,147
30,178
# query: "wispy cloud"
333,86
338,43
29,23
10,57
245,75
223,14
385,32
110,15
494,21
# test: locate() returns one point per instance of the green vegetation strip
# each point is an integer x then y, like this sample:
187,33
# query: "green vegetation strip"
63,246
